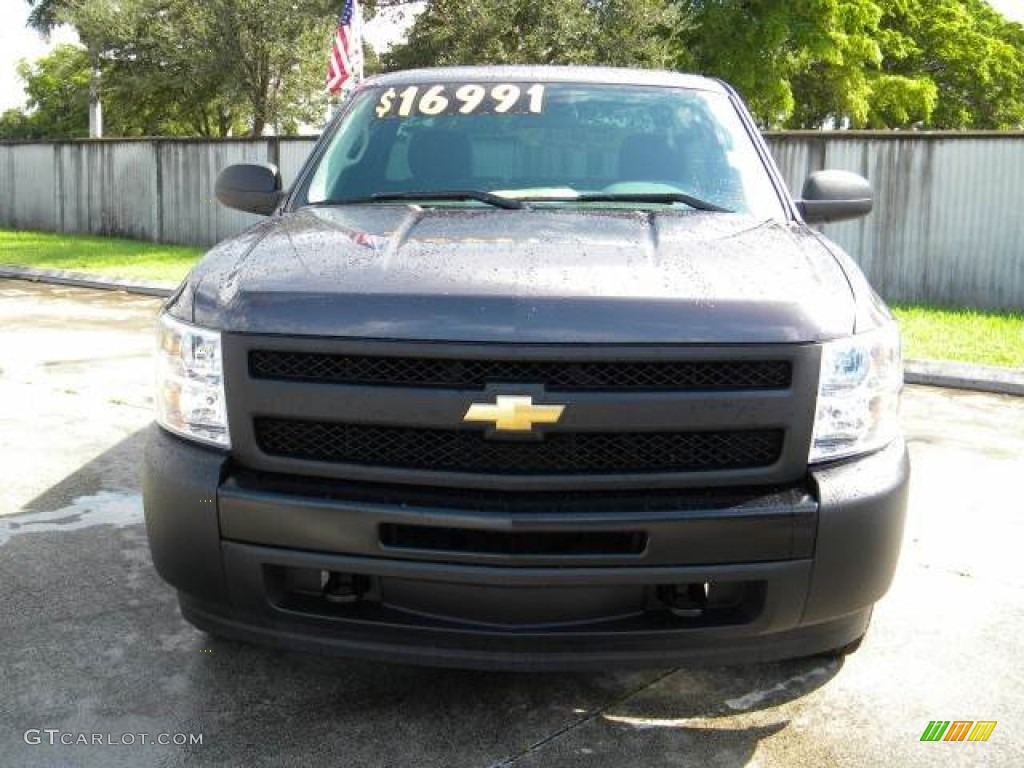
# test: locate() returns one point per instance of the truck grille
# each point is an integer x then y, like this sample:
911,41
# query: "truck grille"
556,375
557,453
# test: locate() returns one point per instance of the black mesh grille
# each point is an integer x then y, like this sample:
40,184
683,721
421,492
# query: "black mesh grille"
466,451
692,375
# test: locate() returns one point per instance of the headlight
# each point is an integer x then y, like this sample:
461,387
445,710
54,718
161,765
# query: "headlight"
190,382
858,394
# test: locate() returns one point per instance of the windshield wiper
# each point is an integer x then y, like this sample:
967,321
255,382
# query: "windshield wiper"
443,194
639,197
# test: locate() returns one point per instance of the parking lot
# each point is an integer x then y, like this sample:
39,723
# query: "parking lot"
93,642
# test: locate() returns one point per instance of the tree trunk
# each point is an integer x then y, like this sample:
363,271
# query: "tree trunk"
95,105
224,120
259,122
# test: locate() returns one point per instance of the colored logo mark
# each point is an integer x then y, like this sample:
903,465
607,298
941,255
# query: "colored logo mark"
958,730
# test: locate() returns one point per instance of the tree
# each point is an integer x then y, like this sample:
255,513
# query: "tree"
770,50
643,33
57,87
219,67
274,53
47,14
898,101
638,33
864,63
44,14
220,61
970,54
158,62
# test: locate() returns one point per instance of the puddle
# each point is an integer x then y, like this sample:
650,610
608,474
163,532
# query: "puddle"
647,723
793,685
104,508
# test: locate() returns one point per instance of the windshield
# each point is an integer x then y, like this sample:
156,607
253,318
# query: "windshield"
549,143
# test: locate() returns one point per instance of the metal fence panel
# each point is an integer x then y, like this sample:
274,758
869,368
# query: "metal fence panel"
292,155
7,185
30,201
189,212
106,188
946,228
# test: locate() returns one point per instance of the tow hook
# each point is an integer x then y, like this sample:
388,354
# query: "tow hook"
684,600
343,587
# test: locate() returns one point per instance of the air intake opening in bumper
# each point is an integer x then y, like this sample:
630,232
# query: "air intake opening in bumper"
535,543
314,593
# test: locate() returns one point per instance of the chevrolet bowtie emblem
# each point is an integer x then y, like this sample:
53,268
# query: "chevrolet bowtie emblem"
514,413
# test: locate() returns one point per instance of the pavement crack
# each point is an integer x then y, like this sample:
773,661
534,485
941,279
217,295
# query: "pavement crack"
573,725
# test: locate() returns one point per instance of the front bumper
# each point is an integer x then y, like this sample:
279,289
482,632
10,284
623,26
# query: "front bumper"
798,573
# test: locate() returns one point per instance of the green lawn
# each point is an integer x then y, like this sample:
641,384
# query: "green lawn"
100,255
984,338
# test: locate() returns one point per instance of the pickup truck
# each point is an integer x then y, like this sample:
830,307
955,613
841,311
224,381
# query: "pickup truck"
531,367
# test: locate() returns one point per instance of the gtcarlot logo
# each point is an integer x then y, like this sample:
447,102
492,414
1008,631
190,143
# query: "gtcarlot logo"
54,736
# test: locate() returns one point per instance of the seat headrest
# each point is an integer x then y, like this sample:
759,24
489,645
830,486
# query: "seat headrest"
647,156
439,156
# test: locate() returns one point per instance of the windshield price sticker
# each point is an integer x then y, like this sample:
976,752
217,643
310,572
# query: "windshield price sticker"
466,99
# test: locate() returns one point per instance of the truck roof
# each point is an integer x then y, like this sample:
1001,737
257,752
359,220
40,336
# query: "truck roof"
548,74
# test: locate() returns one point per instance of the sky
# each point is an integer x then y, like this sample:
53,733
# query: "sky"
18,42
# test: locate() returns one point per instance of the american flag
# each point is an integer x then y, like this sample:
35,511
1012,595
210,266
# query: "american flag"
347,52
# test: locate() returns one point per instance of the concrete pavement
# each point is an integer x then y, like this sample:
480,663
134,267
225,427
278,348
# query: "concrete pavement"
93,643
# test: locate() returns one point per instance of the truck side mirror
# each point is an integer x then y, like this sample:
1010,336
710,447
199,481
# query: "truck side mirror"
835,196
250,187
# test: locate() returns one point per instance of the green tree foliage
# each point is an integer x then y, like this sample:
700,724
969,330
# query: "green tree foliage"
969,55
275,55
206,67
865,63
57,87
899,101
156,78
45,13
795,61
213,67
619,32
798,63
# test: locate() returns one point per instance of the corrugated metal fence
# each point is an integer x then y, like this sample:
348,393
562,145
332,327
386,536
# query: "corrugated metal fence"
948,225
158,190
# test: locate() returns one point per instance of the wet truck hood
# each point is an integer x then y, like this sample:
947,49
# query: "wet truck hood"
458,274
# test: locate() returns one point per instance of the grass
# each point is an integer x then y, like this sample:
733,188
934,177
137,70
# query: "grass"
108,256
983,338
962,335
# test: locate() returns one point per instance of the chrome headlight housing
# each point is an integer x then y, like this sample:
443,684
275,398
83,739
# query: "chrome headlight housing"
190,382
858,394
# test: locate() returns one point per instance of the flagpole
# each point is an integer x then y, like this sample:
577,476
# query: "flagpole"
359,42
345,66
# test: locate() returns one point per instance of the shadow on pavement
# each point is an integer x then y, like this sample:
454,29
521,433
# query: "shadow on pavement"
117,468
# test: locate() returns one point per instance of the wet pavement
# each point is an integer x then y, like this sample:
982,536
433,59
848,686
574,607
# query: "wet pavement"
93,646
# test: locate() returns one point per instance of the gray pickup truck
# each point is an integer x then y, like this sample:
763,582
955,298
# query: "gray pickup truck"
531,367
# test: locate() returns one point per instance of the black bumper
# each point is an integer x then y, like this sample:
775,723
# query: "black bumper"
797,572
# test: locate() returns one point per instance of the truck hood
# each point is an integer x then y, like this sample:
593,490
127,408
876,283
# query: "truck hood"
547,275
